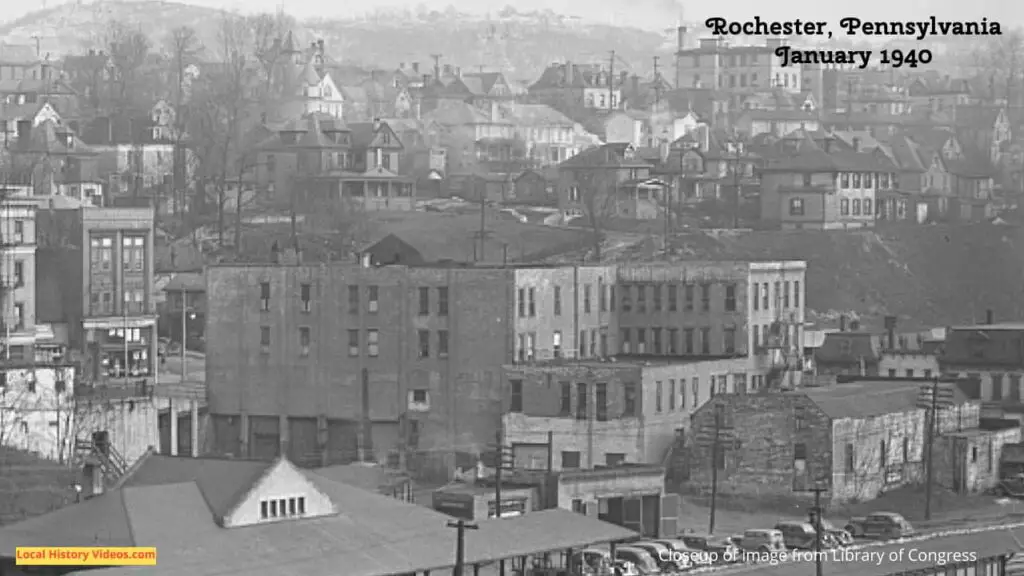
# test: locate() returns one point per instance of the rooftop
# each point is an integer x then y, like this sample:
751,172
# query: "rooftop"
1009,326
623,360
867,398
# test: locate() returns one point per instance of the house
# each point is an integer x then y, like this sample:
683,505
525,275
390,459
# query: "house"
302,84
703,164
183,314
848,352
547,133
571,87
536,188
858,439
641,94
878,99
824,185
202,514
938,94
373,98
45,85
319,157
61,164
776,122
475,139
986,354
391,250
37,409
609,180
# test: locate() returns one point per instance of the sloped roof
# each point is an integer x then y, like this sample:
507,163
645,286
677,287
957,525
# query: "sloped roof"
811,157
363,132
484,81
535,115
849,347
909,155
867,398
456,113
977,116
47,139
605,156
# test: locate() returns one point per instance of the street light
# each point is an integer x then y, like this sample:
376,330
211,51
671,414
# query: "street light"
187,314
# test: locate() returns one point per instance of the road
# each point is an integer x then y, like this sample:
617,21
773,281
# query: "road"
195,367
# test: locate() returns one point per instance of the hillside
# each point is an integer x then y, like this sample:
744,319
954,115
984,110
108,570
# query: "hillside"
925,275
521,43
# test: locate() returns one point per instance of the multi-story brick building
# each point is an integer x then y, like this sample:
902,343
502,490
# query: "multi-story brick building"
859,438
94,268
18,274
990,356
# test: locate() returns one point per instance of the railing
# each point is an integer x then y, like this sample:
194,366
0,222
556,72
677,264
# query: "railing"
112,464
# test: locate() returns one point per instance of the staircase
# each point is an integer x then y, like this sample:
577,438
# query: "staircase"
99,452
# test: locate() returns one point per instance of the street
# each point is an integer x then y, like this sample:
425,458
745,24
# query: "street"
195,367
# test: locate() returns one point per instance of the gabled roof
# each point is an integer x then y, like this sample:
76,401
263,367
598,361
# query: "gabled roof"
606,156
909,155
849,347
49,138
569,74
811,156
484,81
365,133
456,113
977,116
535,115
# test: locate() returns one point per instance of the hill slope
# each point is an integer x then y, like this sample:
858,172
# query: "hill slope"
522,44
926,275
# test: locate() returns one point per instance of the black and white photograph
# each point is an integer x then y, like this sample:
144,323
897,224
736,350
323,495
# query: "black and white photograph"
479,288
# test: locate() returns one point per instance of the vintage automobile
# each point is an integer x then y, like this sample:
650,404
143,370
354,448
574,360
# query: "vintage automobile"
880,525
720,550
800,535
640,557
762,540
841,537
665,556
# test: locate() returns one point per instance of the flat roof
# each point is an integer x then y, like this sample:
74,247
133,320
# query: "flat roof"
624,361
998,326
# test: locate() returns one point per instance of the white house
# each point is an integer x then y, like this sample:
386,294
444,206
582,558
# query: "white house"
37,410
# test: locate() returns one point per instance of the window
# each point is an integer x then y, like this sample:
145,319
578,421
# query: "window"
265,296
867,207
515,396
856,206
627,306
855,180
729,340
764,296
571,461
586,299
629,399
849,459
673,296
372,296
910,372
19,317
688,297
558,301
353,343
657,397
565,408
656,340
581,401
844,207
304,341
442,301
611,298
19,238
673,341
705,297
796,294
372,342
671,395
705,340
687,340
522,303
305,296
755,296
424,301
581,342
353,299
601,401
641,341
556,344
602,298
19,274
785,295
712,389
265,339
593,343
532,302
614,458
730,297
424,343
892,372
796,206
928,374
442,343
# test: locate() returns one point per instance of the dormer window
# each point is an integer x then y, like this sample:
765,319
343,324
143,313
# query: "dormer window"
278,508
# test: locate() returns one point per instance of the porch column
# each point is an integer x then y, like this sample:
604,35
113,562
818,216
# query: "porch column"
172,411
195,428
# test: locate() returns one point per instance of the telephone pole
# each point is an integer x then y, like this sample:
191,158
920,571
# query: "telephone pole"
719,409
816,522
657,84
611,81
460,544
932,413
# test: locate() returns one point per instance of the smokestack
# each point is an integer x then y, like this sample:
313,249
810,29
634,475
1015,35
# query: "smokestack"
989,317
890,327
828,144
856,144
568,71
842,322
415,67
681,37
366,440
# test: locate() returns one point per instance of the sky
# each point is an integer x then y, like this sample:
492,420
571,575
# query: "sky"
652,14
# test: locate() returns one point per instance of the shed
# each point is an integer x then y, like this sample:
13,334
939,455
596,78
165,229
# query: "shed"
391,250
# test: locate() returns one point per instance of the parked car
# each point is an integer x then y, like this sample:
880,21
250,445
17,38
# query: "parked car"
591,562
624,568
722,549
799,535
645,563
842,537
668,560
881,525
763,540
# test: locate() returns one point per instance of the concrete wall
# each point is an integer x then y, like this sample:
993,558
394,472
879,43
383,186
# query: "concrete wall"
969,461
131,423
897,364
874,471
589,487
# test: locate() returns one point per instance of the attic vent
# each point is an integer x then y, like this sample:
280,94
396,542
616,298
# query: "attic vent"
278,508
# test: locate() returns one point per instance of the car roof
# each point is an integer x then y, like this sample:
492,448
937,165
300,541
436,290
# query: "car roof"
887,514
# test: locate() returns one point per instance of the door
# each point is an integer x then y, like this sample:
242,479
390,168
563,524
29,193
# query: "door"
632,514
650,516
669,516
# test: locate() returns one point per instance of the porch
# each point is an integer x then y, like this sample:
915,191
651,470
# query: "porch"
383,192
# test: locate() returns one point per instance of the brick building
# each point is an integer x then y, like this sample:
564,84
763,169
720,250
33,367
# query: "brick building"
626,409
94,270
860,438
991,356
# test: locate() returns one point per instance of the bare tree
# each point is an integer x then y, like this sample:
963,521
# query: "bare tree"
183,48
596,189
128,50
267,32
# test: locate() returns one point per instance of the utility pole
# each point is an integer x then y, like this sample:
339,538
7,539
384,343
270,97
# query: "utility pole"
816,513
460,544
483,221
611,81
719,409
657,85
499,463
737,153
932,413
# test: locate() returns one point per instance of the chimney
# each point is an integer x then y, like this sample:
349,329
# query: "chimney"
854,325
320,45
376,124
828,144
989,317
415,67
681,38
636,84
842,322
447,70
401,65
663,150
568,71
24,129
856,144
458,71
890,328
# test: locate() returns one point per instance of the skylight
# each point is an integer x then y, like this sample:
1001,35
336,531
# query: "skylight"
278,508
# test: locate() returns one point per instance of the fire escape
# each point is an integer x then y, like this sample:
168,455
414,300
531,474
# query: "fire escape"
782,347
98,454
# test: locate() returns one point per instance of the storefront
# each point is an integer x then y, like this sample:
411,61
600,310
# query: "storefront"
632,496
478,503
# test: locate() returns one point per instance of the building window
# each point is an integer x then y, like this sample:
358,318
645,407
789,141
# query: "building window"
353,343
442,301
442,343
629,399
641,298
601,401
305,296
614,458
571,461
556,344
867,207
729,340
581,401
532,302
641,341
19,274
627,305
730,297
353,299
372,295
764,296
424,301
673,341
304,338
687,340
522,302
265,296
705,340
265,339
657,297
755,296
785,295
565,407
673,296
799,418
515,403
581,341
856,206
796,206
671,395
844,207
796,294
849,455
602,298
558,301
705,297
657,397
424,343
586,299
372,342
856,180
611,298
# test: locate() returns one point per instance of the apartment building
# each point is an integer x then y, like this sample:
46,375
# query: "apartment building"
990,356
18,274
94,268
714,63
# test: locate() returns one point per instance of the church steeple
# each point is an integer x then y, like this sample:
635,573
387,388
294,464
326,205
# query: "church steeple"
288,49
